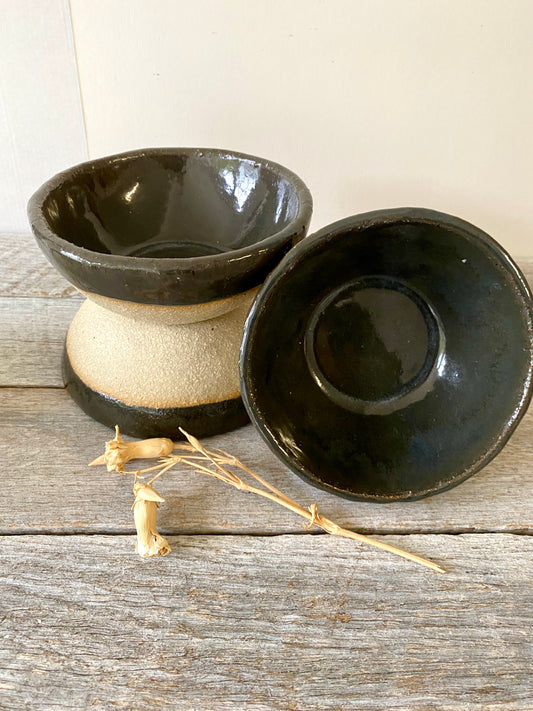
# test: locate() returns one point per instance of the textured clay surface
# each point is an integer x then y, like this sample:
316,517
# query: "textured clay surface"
156,364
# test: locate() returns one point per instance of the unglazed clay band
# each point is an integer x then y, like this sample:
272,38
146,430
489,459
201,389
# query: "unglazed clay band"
154,364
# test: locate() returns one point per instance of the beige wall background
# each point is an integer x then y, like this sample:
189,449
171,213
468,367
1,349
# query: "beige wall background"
375,103
41,120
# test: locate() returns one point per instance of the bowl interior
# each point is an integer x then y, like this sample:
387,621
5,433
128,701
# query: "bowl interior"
171,204
389,356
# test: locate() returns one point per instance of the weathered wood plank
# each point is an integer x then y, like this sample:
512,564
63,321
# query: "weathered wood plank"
33,334
290,622
24,270
47,442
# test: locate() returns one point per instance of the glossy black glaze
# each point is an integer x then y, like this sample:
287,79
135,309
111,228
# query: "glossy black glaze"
393,344
199,420
389,356
170,225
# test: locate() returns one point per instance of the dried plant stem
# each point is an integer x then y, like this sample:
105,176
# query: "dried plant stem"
311,514
214,463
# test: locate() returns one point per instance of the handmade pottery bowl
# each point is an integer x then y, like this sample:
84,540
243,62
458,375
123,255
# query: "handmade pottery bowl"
170,247
389,356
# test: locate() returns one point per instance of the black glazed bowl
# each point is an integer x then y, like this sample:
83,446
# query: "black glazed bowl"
169,245
389,356
172,226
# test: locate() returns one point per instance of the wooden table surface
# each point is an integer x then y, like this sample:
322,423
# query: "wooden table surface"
250,610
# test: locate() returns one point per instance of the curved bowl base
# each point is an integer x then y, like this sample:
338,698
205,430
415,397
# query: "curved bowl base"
137,421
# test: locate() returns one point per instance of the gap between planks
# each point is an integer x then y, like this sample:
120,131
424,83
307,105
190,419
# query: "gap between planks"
78,531
32,387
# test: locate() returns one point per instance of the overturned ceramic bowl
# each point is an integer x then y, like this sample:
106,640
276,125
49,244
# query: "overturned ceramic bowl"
170,246
389,356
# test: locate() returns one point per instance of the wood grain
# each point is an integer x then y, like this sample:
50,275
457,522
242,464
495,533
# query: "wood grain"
289,622
24,270
33,336
47,442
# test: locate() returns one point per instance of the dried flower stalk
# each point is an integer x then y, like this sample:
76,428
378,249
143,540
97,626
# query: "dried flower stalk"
215,463
149,542
117,452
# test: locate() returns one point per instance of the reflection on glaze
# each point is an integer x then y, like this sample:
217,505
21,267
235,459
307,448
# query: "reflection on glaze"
172,205
374,345
240,182
129,195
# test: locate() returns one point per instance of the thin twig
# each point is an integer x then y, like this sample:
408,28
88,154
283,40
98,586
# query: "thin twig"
311,515
214,463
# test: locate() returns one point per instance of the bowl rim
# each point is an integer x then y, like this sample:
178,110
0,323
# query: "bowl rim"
42,230
329,233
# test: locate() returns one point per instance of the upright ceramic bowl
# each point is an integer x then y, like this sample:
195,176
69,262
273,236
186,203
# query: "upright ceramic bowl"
169,245
389,356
